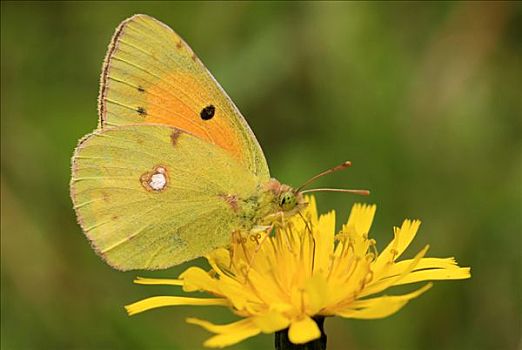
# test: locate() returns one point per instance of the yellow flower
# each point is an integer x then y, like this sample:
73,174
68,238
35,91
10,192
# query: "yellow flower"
305,270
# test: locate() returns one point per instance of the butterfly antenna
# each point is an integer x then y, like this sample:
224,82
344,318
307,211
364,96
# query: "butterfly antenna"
341,166
360,192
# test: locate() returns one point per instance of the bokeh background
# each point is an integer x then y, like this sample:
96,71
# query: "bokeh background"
424,98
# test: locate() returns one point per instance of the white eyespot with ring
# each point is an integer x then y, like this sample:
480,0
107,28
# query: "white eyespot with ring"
158,180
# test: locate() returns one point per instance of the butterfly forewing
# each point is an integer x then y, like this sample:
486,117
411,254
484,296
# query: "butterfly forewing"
151,75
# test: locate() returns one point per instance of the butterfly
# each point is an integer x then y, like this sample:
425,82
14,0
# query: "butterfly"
173,169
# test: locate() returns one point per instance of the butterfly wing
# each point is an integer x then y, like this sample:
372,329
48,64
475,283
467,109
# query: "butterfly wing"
151,75
153,196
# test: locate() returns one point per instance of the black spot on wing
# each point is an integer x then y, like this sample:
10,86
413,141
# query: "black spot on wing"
208,112
141,111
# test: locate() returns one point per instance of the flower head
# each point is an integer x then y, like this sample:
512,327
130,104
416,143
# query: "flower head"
305,270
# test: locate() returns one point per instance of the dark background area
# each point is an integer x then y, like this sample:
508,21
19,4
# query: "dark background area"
424,98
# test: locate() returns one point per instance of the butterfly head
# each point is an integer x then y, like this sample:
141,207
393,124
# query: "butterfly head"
286,198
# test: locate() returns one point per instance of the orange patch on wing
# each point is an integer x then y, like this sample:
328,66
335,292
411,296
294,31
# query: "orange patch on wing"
182,110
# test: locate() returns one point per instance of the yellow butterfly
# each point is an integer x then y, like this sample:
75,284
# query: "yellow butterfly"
173,170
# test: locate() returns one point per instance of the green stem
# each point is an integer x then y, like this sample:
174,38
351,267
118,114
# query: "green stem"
283,343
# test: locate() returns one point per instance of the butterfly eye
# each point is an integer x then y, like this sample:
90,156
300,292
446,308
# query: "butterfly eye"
287,201
207,112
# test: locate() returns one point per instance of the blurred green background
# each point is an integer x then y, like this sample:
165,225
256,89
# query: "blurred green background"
424,98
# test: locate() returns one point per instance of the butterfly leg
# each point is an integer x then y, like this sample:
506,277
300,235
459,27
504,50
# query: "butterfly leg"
281,223
282,217
237,240
257,236
260,238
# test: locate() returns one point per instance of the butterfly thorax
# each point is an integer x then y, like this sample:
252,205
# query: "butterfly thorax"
270,204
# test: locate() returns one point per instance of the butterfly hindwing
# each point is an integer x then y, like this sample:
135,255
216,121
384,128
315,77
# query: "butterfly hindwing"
153,196
151,75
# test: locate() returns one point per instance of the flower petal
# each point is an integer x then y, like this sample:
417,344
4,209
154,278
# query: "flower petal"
227,339
396,247
407,233
220,328
161,281
436,274
267,290
323,242
303,330
155,302
195,279
310,211
239,295
380,307
381,284
424,263
316,291
271,322
228,334
361,218
220,256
